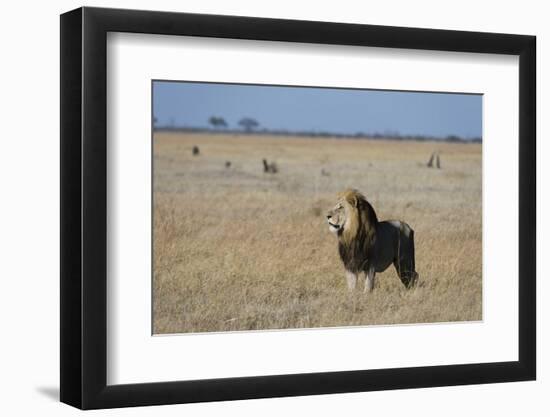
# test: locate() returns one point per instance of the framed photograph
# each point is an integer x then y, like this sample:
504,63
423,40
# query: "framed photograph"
259,208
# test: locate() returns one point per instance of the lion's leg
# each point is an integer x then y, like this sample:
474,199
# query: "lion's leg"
369,279
352,280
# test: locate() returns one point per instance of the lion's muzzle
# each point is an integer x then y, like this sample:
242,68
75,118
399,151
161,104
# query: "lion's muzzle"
333,227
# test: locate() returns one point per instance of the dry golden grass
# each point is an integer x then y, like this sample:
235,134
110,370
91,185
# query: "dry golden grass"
237,249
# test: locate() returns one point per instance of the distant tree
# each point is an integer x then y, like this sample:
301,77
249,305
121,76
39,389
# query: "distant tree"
393,134
453,138
213,120
248,124
217,122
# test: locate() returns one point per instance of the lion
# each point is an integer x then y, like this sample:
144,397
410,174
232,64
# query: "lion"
368,245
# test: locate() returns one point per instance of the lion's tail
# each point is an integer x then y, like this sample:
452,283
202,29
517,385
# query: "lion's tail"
413,266
407,267
414,274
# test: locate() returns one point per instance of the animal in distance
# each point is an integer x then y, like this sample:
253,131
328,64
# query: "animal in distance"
270,167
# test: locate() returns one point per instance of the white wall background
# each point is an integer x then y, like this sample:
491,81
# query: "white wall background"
29,225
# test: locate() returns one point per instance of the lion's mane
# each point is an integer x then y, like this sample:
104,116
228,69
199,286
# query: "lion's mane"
357,239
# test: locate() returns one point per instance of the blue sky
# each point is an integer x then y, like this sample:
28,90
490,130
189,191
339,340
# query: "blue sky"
319,109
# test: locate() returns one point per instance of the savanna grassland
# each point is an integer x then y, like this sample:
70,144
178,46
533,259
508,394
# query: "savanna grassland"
235,248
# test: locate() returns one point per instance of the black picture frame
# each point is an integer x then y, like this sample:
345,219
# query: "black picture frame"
84,208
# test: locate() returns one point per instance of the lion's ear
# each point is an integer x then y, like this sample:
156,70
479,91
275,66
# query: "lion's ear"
353,200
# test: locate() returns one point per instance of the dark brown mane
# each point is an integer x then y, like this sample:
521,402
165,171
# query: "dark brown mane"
356,241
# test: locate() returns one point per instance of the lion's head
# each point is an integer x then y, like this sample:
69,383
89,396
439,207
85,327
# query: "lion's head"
336,217
354,221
